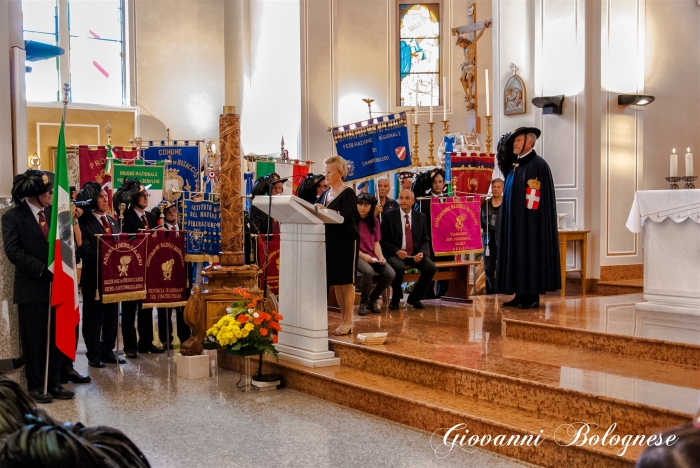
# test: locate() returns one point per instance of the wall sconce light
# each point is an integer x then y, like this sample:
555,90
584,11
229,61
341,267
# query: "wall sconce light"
634,99
549,104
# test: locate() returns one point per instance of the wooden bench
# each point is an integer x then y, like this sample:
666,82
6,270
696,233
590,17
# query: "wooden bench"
451,270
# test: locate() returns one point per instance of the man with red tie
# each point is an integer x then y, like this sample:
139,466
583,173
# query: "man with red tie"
100,321
136,219
405,245
25,230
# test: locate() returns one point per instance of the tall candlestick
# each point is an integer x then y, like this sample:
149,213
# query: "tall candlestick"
415,160
431,100
431,145
674,164
488,107
444,101
688,163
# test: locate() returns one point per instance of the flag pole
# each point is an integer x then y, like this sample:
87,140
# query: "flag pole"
66,89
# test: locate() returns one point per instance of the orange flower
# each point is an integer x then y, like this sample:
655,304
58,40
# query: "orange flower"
274,338
263,331
279,318
275,326
265,316
243,318
238,291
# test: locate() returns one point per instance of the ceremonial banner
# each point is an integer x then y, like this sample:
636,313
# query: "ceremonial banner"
272,272
64,292
182,173
147,174
300,173
166,273
93,165
202,223
263,168
455,225
471,173
122,267
375,146
248,183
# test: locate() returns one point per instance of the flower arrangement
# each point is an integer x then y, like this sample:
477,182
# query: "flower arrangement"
245,330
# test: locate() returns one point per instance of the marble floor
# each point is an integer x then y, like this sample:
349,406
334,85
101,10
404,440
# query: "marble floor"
184,423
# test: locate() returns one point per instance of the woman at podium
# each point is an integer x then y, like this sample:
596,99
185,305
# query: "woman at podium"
342,240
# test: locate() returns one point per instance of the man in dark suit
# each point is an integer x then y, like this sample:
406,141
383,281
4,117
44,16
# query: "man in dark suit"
405,244
100,321
25,230
170,223
136,219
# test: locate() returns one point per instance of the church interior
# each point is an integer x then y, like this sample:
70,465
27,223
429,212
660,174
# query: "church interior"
614,88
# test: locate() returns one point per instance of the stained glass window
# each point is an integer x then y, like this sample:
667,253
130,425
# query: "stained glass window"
419,54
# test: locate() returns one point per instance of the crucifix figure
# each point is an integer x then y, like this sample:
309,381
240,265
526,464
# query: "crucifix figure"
468,76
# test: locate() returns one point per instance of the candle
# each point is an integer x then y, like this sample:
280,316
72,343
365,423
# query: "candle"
431,100
444,103
688,163
674,163
488,107
416,97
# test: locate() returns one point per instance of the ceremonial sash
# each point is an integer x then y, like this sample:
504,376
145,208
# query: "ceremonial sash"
122,267
455,226
166,273
273,262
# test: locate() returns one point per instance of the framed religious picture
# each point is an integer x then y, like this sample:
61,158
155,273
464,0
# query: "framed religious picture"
514,96
73,169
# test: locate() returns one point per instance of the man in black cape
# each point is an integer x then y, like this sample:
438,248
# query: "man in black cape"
528,249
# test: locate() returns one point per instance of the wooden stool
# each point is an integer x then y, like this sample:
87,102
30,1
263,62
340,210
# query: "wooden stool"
574,236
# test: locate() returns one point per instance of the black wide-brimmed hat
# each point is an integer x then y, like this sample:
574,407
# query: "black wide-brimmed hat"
424,182
523,131
263,184
307,188
31,183
127,193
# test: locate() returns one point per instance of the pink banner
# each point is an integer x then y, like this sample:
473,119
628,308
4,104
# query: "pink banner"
455,226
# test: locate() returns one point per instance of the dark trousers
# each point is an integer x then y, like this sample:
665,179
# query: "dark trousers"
490,270
33,320
427,271
130,310
439,288
183,330
100,324
385,275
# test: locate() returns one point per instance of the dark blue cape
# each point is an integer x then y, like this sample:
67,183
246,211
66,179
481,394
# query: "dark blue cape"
528,242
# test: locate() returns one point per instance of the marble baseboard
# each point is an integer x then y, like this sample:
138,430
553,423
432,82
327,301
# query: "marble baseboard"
621,272
644,348
617,289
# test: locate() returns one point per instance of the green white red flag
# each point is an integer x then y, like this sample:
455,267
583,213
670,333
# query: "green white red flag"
64,292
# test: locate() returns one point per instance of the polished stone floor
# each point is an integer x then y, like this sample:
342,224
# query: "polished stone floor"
184,423
472,336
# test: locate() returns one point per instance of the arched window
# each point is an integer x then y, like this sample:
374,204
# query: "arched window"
419,54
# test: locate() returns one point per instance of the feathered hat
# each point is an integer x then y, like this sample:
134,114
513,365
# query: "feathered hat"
424,182
307,188
90,191
30,184
263,184
127,193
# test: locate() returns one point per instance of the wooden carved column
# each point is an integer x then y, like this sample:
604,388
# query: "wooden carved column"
208,303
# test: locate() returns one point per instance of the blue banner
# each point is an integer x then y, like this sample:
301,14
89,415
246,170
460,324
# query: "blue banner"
182,173
380,145
202,222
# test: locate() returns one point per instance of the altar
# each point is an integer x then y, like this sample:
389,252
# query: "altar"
670,220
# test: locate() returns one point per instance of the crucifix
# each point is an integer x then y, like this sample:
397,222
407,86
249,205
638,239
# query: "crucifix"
468,44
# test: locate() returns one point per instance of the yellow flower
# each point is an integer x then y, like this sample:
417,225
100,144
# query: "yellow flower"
249,326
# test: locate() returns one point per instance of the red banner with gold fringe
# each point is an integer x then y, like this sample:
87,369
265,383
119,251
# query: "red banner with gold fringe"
273,262
122,267
166,272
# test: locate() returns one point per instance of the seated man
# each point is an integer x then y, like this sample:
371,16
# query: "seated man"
405,244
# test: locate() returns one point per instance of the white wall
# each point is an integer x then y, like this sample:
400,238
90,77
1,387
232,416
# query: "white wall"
179,46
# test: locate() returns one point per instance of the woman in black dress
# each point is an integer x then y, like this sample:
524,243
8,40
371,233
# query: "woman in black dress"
490,213
342,240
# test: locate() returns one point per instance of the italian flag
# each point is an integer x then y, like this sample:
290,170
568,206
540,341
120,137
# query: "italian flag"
64,292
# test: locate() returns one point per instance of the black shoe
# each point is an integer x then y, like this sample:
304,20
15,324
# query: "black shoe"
96,363
416,304
75,377
39,397
60,393
372,306
394,305
112,359
131,353
530,305
152,349
515,302
362,310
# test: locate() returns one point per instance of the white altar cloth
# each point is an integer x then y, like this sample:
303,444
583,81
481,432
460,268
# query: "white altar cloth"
671,249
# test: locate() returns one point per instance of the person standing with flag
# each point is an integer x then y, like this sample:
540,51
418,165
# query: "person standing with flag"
26,234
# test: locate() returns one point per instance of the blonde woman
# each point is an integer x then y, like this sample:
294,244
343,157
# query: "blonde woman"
342,240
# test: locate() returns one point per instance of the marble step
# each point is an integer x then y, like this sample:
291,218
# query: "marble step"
432,409
546,389
618,287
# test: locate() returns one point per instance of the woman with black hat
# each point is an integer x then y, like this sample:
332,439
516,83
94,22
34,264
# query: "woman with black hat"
311,188
528,244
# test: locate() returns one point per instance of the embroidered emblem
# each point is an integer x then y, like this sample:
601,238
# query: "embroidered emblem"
45,179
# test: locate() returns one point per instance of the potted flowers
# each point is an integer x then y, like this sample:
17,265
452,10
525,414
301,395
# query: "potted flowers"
245,330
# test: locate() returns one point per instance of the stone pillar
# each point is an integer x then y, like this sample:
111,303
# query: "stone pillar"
230,177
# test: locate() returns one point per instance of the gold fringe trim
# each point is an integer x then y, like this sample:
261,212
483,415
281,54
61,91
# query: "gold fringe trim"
126,296
164,304
201,258
458,252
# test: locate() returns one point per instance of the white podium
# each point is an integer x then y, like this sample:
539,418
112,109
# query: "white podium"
670,221
302,299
